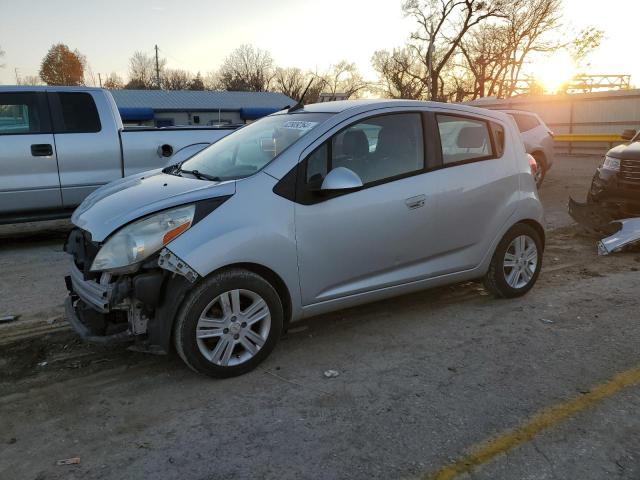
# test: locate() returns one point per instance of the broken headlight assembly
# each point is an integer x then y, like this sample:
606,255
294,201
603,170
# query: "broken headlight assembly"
611,163
142,238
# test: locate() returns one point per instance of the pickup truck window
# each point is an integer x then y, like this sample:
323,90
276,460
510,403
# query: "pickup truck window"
23,113
251,148
77,113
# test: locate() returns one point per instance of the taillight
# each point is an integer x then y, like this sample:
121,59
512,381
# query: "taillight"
533,165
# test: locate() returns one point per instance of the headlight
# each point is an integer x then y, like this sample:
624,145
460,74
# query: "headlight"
611,163
143,238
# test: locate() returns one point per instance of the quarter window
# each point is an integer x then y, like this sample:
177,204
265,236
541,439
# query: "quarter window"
21,113
78,114
377,149
464,139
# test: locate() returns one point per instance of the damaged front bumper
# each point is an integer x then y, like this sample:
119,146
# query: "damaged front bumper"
133,307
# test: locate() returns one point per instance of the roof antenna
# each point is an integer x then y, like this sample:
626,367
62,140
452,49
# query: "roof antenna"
300,103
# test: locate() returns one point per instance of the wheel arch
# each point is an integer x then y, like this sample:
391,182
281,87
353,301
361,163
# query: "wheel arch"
537,227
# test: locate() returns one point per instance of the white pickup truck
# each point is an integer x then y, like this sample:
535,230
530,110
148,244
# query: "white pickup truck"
58,144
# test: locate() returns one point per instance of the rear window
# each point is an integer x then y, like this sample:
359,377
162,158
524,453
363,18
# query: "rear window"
78,114
525,122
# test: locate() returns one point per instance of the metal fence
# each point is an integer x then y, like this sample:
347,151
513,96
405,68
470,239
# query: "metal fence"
598,113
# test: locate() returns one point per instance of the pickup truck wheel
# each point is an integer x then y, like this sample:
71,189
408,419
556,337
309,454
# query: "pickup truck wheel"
228,324
516,263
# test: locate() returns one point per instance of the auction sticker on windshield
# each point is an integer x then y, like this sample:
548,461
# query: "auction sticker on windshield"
299,125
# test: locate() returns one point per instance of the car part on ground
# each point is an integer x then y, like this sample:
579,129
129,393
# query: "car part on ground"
628,234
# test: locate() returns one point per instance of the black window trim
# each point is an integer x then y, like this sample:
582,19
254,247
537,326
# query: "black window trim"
488,123
55,107
309,197
43,110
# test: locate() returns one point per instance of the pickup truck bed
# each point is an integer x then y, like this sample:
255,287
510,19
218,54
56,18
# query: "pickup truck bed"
58,144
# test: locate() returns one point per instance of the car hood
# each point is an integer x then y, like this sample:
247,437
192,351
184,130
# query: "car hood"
629,151
130,198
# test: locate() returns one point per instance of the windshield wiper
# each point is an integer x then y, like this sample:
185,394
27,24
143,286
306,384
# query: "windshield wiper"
199,175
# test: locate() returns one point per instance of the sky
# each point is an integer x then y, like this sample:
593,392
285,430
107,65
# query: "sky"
196,35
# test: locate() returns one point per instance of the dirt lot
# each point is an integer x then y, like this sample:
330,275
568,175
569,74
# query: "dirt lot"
430,384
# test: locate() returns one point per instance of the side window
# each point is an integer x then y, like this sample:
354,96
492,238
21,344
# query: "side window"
498,138
525,122
22,113
464,139
78,114
377,148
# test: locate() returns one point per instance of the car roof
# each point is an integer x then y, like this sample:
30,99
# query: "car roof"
360,106
45,88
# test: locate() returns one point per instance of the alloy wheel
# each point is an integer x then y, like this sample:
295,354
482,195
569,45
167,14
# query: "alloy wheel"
520,261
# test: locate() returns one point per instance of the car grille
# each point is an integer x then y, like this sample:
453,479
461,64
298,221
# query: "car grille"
630,170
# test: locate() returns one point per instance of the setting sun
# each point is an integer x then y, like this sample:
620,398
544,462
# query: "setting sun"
554,71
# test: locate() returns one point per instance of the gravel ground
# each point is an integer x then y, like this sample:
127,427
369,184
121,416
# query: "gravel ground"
424,379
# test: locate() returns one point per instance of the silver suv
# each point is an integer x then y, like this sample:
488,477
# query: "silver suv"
307,211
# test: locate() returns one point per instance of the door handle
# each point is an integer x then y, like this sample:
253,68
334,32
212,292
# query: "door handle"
41,150
415,202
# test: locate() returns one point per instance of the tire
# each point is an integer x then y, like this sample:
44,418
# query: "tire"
226,331
498,280
542,169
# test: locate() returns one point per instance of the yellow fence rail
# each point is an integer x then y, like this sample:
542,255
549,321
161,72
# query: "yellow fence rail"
582,137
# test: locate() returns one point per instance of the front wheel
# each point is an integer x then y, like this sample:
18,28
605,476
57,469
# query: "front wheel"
516,263
229,324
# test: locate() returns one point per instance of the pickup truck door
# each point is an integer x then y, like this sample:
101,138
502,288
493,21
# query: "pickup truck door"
87,143
28,168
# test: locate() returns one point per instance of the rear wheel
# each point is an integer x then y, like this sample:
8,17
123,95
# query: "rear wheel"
229,324
516,263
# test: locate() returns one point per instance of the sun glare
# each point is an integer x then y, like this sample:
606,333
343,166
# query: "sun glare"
554,71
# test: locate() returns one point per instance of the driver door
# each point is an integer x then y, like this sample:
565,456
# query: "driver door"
377,236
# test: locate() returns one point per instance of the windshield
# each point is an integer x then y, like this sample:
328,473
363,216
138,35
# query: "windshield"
251,148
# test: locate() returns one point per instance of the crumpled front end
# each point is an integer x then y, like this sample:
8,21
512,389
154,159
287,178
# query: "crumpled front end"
136,306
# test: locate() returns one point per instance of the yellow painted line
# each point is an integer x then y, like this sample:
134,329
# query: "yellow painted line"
584,137
509,439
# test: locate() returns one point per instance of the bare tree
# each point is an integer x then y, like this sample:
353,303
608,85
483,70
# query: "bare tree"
30,80
61,66
197,83
1,55
176,79
247,69
113,82
344,77
291,82
442,24
400,73
142,71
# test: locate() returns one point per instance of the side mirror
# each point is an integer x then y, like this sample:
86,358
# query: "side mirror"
628,134
341,178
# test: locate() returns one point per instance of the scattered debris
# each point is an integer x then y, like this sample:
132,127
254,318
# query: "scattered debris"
52,320
43,364
69,461
628,234
144,445
12,440
546,320
331,373
9,318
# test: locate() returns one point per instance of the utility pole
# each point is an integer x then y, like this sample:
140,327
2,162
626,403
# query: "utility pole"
100,79
157,69
17,76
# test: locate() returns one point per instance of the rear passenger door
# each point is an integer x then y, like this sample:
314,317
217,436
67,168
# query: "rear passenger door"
28,169
476,188
88,148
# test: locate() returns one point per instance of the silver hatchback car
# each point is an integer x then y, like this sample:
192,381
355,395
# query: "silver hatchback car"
306,211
